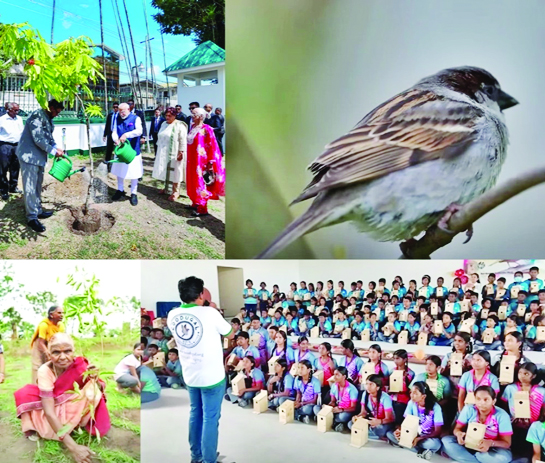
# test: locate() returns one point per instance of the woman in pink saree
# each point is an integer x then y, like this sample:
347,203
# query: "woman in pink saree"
205,175
54,407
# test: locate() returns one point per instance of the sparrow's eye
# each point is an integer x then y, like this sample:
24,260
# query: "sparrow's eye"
490,90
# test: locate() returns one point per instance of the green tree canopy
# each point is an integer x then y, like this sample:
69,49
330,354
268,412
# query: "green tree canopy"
205,19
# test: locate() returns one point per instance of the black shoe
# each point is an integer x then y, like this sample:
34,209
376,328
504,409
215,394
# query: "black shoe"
193,208
45,214
36,225
16,191
134,200
118,195
5,196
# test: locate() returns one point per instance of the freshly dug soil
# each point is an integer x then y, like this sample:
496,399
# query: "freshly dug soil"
87,222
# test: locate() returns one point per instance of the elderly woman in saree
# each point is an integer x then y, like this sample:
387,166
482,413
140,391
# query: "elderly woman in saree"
171,148
205,175
64,398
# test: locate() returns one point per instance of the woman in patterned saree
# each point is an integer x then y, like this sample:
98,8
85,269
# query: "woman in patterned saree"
51,410
205,175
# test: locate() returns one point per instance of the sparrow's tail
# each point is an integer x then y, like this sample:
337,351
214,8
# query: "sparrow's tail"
294,230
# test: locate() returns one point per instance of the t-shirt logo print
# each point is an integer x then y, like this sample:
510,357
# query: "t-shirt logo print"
188,329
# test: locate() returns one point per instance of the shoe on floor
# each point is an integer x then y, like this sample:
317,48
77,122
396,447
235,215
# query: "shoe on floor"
5,196
36,225
339,427
426,454
45,214
134,200
199,214
306,419
118,195
242,403
226,397
16,191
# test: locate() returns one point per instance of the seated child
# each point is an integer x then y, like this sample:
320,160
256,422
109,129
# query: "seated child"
390,330
341,324
325,325
255,381
358,325
479,375
344,399
528,381
292,324
376,407
171,375
401,399
413,327
531,342
160,340
433,366
308,389
446,336
375,358
280,386
244,349
265,319
278,319
423,404
373,327
492,323
497,439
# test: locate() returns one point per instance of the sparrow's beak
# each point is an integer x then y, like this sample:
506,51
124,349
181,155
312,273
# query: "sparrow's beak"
506,101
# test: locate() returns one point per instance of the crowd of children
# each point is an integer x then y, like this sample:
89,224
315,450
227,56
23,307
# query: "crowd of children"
469,390
159,353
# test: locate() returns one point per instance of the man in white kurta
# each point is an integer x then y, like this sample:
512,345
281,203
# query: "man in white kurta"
128,127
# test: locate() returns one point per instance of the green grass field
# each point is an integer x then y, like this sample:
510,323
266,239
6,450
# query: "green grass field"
121,445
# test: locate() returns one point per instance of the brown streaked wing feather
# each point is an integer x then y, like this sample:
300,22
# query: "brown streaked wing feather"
413,127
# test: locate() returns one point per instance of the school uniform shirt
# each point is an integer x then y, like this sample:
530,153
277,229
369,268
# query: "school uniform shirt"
397,325
537,395
175,367
328,371
287,384
240,352
308,355
377,410
426,291
382,369
345,324
501,294
513,306
427,422
351,294
311,323
443,385
262,292
301,293
443,288
399,292
354,365
412,329
287,354
258,378
531,333
455,309
264,335
446,360
250,300
404,396
293,325
265,321
358,327
521,285
325,326
344,395
533,295
498,423
370,327
197,331
469,383
536,434
280,322
458,291
485,289
309,390
451,329
343,293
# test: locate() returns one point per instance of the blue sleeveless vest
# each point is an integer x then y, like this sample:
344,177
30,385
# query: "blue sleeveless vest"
128,125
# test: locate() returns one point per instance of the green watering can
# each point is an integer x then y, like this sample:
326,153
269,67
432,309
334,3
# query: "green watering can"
61,168
124,153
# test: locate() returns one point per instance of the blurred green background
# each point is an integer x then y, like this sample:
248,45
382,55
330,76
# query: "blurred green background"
303,72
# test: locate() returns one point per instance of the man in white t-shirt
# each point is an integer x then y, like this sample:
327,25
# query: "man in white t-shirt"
197,330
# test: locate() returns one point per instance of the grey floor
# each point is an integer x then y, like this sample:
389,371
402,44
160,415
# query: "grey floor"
248,438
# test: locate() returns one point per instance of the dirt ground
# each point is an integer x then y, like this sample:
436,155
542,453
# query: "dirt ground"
155,229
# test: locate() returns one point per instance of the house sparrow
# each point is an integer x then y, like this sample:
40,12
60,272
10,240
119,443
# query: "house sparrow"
412,160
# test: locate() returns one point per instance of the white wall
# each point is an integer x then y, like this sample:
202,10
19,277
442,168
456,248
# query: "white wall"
214,94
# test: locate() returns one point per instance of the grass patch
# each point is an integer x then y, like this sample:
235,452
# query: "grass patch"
18,373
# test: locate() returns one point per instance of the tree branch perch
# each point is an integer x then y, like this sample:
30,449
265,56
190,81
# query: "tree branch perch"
435,238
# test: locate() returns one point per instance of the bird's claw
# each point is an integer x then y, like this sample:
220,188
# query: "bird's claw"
443,222
469,234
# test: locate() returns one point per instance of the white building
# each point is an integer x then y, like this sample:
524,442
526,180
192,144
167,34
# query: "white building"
201,76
